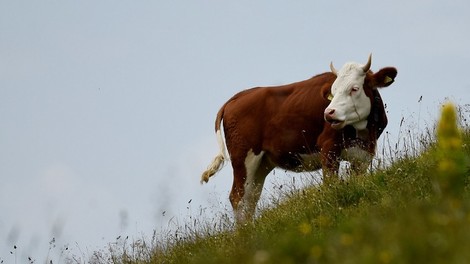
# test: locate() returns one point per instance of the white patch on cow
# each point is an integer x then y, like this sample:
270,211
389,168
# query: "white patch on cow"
247,205
252,162
350,103
311,162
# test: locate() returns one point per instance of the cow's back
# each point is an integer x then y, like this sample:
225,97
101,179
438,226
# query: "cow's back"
285,118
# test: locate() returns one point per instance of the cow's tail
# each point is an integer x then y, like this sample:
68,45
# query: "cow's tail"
218,161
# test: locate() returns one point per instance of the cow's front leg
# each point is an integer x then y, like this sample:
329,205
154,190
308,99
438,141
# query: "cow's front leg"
359,159
330,158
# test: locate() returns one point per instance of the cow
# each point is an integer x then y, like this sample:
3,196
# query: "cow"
303,126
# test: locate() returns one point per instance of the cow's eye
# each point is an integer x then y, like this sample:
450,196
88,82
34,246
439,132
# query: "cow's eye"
354,89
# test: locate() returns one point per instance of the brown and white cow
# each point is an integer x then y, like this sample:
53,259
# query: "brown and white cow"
303,126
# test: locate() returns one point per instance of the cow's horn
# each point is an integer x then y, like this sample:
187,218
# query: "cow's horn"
332,68
369,62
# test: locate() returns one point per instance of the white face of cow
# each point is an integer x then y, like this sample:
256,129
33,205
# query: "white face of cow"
349,103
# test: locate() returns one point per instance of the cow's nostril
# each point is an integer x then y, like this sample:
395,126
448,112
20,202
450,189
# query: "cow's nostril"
330,111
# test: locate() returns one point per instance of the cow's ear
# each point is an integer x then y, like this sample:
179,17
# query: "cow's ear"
326,92
385,77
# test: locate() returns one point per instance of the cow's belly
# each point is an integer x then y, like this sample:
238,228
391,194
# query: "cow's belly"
358,157
297,162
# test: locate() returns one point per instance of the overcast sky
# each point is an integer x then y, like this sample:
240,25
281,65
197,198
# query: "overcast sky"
107,107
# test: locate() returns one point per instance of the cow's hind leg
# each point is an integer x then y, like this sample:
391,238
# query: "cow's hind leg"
248,184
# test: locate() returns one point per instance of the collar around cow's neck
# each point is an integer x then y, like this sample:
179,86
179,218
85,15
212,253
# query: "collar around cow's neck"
352,133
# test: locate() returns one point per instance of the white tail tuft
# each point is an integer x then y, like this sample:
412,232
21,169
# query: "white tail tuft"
218,161
215,166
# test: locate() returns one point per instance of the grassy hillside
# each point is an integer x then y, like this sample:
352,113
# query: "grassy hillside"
415,211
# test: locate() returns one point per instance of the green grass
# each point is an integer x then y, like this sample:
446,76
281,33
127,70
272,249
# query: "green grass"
400,214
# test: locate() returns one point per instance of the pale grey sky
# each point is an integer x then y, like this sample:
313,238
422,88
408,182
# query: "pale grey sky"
107,107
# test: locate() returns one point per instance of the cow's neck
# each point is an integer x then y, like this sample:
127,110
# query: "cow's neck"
374,117
362,134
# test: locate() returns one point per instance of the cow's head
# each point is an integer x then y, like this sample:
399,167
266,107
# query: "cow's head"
351,94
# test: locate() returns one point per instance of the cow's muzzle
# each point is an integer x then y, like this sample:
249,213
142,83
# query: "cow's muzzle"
331,118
